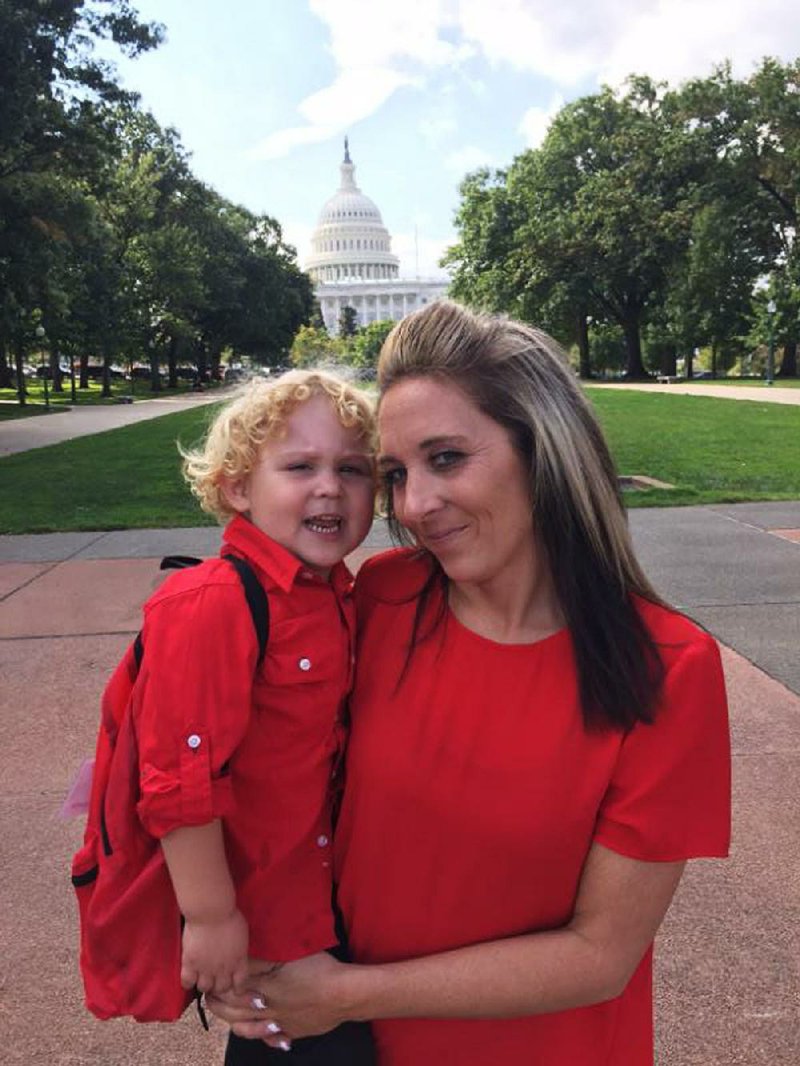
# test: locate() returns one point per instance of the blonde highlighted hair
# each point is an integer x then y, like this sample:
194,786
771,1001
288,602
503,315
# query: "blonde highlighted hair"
258,413
518,376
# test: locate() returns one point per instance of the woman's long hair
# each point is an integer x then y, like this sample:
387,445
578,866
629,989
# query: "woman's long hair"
520,378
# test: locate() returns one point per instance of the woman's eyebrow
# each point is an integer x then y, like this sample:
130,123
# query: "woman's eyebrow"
427,445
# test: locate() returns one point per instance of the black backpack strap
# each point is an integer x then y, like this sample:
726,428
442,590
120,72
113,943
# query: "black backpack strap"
179,562
256,600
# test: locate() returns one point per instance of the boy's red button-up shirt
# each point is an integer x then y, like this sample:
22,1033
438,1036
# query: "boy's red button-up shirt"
218,739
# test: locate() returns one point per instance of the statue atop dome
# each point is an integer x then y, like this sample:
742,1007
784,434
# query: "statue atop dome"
347,158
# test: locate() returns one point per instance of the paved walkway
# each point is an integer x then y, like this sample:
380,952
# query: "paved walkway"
729,957
760,393
36,431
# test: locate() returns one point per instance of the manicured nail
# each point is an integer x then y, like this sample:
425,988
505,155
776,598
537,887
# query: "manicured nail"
284,1045
259,1003
273,1027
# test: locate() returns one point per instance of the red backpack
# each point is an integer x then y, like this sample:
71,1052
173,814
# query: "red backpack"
130,925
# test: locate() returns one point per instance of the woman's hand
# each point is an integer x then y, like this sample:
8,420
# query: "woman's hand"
302,998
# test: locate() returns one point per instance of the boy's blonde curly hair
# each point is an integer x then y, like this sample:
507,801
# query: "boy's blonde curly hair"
258,413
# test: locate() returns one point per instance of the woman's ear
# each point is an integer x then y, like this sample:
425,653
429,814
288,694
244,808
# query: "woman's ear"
236,492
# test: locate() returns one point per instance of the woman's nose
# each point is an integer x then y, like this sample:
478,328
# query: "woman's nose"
416,499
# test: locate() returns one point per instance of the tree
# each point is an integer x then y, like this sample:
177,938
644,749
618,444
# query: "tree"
314,347
348,322
54,95
365,346
754,127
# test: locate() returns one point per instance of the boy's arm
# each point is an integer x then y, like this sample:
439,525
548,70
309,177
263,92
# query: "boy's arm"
215,935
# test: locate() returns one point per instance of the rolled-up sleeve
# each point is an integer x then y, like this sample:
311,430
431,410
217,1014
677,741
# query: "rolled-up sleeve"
669,797
192,705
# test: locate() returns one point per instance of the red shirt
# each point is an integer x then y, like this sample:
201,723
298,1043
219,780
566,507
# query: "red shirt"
215,744
474,794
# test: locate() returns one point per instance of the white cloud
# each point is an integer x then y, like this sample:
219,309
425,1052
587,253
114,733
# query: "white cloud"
468,158
535,122
380,47
354,95
281,143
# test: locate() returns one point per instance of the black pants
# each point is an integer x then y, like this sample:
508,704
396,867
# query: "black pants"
349,1045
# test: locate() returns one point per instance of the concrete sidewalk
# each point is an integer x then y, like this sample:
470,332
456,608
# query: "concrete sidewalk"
37,431
758,393
729,955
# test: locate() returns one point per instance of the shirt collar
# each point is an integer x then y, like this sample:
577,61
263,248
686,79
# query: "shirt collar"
276,561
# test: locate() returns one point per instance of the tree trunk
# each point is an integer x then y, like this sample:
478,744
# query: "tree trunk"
202,362
668,357
155,376
713,359
584,355
56,377
690,364
634,368
172,362
19,358
6,377
84,374
106,375
789,362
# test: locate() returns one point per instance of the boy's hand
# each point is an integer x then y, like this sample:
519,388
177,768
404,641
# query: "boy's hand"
214,957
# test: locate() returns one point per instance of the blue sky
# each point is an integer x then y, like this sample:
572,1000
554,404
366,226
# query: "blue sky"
263,91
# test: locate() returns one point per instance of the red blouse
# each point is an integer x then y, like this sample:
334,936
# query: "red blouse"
474,794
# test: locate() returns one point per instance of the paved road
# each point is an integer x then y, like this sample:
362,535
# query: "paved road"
37,431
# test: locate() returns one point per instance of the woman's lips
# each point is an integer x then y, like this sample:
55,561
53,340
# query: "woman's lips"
441,536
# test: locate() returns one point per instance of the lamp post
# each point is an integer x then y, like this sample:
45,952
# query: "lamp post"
41,337
771,308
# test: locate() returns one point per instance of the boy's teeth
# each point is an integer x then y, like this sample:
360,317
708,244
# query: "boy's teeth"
323,525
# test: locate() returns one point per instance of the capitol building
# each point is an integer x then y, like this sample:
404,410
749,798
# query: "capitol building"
351,261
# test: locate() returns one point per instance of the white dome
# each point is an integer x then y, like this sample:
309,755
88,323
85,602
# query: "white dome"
350,242
345,206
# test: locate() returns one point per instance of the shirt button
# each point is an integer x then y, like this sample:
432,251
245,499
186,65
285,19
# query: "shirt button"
304,664
194,741
322,840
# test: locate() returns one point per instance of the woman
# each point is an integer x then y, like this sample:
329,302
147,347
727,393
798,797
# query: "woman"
538,744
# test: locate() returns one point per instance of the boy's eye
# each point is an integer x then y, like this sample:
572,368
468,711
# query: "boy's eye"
354,468
299,466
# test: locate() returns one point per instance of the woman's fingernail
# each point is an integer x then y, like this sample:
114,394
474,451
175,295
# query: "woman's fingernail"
284,1045
273,1027
259,1003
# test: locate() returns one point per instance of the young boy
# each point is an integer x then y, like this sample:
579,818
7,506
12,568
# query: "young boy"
236,773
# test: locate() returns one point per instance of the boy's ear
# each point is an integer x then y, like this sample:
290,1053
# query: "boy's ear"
236,492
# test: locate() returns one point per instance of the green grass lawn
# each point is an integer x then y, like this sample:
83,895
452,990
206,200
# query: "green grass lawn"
122,479
712,450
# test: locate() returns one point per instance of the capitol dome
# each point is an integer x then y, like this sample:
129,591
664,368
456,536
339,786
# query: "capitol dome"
350,242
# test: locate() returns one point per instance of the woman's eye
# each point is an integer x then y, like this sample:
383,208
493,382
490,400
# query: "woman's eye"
443,460
392,478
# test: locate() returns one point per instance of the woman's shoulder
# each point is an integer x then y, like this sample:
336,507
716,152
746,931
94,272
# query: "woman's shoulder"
393,576
674,633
